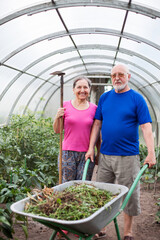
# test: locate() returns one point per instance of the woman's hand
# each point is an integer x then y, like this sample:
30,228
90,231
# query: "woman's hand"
57,120
60,113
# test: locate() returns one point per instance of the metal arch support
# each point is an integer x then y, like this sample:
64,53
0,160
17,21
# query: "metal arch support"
101,57
100,47
111,48
16,101
46,91
153,109
73,66
77,32
52,66
33,9
146,93
21,93
145,80
80,47
105,31
154,112
36,92
16,78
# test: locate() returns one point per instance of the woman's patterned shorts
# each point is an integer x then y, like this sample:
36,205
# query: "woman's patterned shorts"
73,164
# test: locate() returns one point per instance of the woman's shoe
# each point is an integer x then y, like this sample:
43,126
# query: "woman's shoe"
76,235
60,236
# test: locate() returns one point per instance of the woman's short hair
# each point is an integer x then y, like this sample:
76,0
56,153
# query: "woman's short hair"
82,78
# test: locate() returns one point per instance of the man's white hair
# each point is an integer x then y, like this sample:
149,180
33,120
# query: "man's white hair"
122,65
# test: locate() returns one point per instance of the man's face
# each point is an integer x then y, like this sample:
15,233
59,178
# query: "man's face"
120,78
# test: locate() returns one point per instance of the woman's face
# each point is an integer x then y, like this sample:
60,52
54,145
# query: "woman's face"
81,89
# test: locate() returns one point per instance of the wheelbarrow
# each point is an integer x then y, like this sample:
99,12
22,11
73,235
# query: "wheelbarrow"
88,227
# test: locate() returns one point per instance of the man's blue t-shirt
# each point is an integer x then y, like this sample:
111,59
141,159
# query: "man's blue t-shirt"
121,114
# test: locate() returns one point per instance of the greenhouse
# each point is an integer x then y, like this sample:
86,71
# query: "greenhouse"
45,45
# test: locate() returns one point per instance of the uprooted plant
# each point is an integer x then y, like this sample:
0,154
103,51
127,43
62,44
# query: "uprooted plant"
73,203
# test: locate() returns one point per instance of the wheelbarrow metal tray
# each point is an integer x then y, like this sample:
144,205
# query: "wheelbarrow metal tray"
90,225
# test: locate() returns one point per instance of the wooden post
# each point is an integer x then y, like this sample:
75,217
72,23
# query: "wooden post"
59,73
61,134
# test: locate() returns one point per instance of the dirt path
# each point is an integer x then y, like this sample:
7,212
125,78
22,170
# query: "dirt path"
144,227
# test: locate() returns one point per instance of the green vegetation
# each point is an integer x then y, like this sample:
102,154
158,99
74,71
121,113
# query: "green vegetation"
74,203
28,159
29,152
152,176
6,223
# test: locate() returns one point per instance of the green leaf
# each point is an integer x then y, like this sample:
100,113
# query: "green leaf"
4,190
4,220
15,178
59,200
25,230
2,199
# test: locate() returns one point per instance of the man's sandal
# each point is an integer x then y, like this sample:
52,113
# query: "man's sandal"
128,238
99,235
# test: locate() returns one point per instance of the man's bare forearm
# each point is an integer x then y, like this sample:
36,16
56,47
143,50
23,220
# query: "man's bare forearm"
149,140
93,139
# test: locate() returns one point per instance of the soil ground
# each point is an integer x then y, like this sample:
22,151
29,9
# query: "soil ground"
145,226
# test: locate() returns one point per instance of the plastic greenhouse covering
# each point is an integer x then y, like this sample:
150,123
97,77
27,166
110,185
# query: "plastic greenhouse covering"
86,37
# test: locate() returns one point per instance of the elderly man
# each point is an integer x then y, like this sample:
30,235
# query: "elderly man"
118,116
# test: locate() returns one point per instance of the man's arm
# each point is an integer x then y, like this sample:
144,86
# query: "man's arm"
98,147
149,140
93,139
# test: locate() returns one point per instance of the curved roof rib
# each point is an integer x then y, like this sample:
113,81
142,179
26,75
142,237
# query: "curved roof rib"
34,9
78,32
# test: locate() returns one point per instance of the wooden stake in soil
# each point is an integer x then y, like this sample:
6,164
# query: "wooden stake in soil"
59,73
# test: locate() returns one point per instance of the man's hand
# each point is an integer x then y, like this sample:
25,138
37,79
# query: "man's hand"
90,154
150,160
93,139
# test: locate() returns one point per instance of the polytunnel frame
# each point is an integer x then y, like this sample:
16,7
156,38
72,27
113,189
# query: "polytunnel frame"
80,47
74,3
34,9
42,7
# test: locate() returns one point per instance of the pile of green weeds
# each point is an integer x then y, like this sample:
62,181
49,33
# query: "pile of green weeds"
74,203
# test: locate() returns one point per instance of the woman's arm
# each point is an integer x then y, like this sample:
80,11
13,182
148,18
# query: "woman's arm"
57,120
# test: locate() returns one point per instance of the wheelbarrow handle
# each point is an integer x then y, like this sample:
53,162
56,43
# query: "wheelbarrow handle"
133,187
130,190
85,169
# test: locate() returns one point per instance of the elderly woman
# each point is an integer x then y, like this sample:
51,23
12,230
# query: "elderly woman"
78,117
